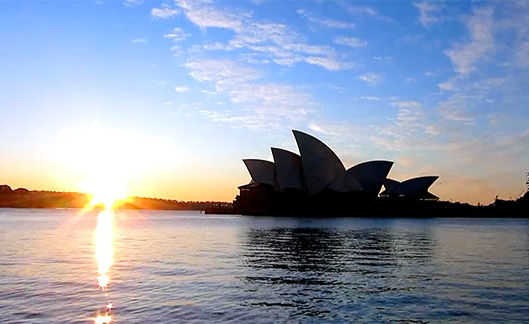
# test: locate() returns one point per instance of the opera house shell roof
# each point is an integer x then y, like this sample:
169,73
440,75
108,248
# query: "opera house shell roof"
412,188
288,170
317,168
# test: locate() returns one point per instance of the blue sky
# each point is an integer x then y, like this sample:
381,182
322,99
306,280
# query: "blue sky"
175,94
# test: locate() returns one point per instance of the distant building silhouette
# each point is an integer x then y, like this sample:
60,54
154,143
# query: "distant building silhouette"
317,178
411,188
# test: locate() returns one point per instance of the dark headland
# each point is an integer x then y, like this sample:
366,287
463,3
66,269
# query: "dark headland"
24,198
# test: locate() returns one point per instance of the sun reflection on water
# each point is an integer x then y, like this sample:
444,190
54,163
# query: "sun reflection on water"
103,239
103,245
105,193
103,319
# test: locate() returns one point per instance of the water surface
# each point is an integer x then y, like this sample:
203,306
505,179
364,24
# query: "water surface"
187,267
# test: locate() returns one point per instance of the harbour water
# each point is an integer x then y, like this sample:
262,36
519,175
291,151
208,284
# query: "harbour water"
186,267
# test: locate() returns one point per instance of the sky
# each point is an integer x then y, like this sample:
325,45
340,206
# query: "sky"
171,95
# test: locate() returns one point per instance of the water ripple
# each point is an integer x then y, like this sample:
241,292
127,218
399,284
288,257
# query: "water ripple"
181,267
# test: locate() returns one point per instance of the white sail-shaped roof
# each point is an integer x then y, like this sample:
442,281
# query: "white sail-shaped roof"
339,184
288,168
261,171
320,165
391,186
414,187
368,176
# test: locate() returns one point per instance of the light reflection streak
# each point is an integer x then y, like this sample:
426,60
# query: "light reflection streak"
103,244
106,190
103,319
104,236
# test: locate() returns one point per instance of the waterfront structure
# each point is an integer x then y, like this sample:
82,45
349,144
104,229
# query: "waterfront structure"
411,188
317,177
321,167
261,171
288,170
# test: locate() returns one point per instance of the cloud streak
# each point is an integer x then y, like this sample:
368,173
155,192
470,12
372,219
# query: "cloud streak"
466,55
427,11
372,79
351,42
181,89
164,13
326,22
177,35
366,11
265,41
266,106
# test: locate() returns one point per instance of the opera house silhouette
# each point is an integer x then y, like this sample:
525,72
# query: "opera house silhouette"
316,181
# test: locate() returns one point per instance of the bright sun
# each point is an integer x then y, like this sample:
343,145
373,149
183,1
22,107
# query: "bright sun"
105,190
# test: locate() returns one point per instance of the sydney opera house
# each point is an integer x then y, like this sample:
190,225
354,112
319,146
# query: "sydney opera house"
317,181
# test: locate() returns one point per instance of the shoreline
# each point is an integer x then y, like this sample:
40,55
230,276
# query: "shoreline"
23,198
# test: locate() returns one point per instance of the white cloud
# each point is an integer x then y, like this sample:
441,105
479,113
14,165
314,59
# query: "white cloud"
205,16
317,128
432,130
181,89
449,85
427,11
310,49
326,22
164,13
409,130
177,34
254,58
370,98
208,92
263,105
410,114
339,134
217,46
455,113
220,71
255,33
366,10
465,56
383,58
238,121
327,63
351,42
406,104
456,107
132,3
272,42
371,78
139,40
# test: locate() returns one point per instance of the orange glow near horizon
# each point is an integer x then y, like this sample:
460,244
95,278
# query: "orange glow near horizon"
105,190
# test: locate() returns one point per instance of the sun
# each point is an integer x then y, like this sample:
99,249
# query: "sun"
107,190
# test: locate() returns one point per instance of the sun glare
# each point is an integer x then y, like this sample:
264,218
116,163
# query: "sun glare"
105,190
102,319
